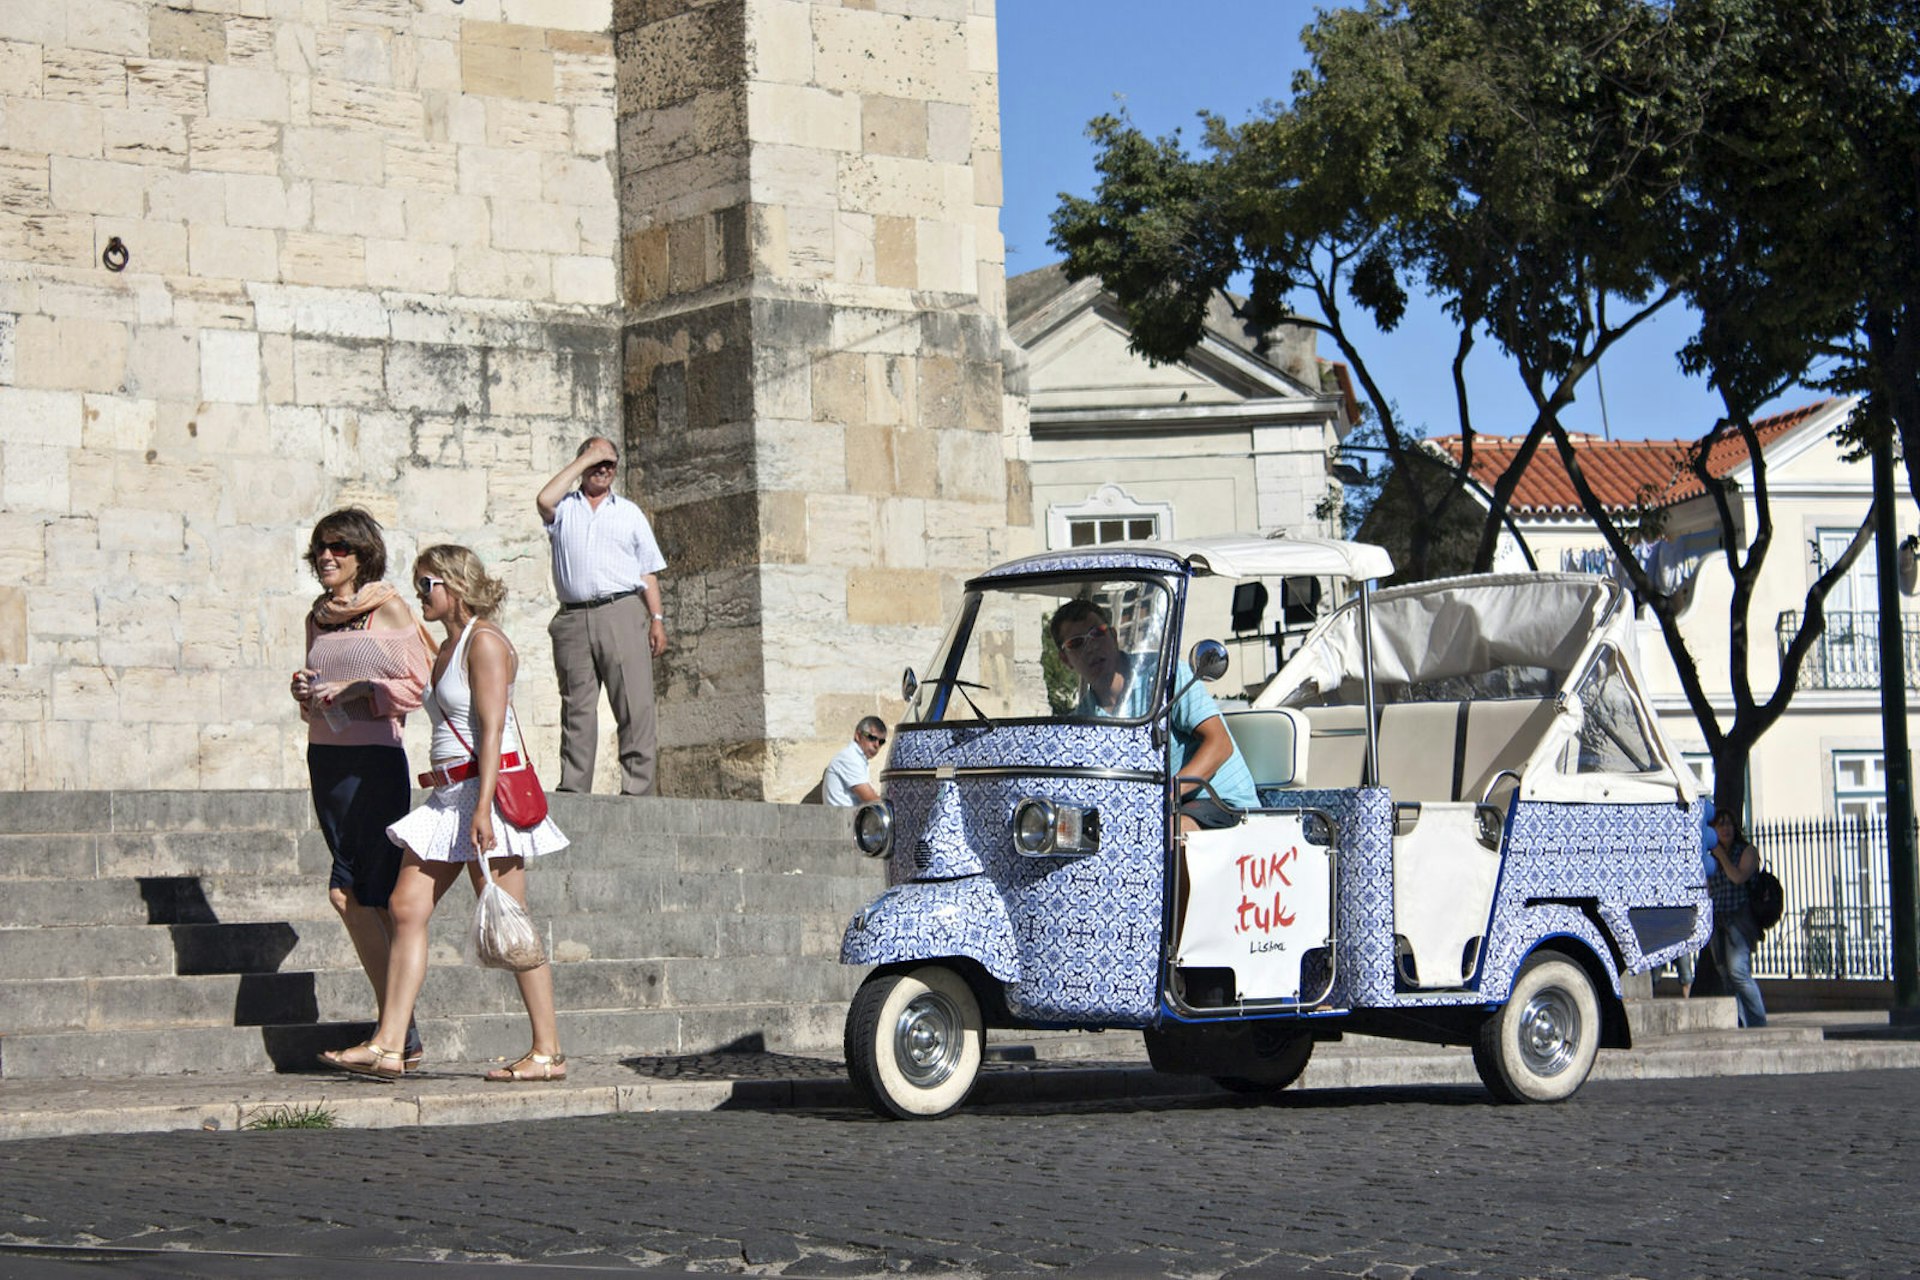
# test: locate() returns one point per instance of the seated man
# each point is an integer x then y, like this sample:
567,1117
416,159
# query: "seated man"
845,783
1120,685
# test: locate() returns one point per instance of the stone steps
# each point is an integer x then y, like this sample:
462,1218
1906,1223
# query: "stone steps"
788,1026
159,932
452,989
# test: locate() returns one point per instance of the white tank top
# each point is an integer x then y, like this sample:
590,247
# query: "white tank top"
450,702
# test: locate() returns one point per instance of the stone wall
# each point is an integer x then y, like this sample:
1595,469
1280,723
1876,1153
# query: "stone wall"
371,258
406,254
814,375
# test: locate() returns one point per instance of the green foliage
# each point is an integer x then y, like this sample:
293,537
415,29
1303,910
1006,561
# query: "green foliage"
1449,547
1554,172
288,1116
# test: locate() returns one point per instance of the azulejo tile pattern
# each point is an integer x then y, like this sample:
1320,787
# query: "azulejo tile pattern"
1078,938
1045,744
1101,562
1085,930
930,920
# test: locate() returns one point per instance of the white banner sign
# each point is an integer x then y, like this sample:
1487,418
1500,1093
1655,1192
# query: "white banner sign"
1259,898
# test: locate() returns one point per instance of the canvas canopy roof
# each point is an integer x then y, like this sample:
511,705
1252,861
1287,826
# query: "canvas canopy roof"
1571,629
1453,627
1245,555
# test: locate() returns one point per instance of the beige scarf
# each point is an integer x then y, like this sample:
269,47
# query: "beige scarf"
331,612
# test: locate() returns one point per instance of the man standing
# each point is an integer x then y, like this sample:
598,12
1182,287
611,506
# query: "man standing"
606,569
845,781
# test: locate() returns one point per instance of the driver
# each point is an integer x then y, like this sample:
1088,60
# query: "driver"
1119,685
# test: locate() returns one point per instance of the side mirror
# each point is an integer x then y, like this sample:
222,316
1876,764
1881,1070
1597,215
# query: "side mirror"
1208,660
909,685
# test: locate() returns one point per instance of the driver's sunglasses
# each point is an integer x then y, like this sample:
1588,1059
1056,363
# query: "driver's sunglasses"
425,585
1073,644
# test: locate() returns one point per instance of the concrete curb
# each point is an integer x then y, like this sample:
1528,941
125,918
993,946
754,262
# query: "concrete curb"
456,1095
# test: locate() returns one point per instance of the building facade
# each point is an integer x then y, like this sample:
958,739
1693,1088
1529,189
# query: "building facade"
1823,757
260,259
1235,437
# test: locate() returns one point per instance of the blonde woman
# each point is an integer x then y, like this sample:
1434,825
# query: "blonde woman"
470,702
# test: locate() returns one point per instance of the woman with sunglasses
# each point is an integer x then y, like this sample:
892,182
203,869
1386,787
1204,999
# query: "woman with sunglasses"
366,668
475,735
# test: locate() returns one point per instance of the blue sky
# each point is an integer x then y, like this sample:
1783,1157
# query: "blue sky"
1062,62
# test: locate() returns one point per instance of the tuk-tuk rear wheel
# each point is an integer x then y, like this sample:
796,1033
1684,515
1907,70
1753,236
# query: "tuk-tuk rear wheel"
1279,1067
1540,1045
914,1042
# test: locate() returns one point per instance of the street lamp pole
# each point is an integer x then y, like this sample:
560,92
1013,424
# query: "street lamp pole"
1893,737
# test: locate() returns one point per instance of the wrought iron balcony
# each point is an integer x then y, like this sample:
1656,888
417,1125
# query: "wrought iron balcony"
1847,654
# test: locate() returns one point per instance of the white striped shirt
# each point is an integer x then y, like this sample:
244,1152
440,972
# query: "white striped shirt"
600,552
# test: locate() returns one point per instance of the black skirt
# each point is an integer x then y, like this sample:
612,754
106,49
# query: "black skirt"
357,793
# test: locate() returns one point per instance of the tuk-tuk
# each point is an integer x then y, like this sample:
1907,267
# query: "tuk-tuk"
1465,827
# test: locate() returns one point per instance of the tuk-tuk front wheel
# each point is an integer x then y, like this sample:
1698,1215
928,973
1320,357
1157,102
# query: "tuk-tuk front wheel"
914,1042
1540,1045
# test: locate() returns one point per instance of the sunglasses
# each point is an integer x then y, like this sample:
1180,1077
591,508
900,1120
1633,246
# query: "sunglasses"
336,546
1073,644
877,739
425,585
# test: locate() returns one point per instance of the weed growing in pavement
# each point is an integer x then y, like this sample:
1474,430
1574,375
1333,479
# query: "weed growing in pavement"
290,1117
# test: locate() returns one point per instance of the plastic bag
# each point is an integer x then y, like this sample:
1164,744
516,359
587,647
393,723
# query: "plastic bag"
503,934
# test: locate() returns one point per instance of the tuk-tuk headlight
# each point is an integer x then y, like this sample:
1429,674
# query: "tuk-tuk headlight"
1042,827
873,828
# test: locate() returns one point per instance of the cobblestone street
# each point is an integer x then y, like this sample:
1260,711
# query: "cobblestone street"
1748,1176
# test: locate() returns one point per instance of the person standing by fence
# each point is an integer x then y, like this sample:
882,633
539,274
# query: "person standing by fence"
1735,932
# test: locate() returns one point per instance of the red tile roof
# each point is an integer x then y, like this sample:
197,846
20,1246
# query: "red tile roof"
1623,473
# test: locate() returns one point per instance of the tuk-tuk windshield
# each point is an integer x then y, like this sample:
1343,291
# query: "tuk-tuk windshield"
1067,648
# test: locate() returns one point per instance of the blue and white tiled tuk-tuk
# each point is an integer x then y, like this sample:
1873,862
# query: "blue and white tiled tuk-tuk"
1469,827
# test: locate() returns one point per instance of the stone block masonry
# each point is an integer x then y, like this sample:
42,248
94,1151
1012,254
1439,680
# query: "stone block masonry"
370,257
814,287
407,255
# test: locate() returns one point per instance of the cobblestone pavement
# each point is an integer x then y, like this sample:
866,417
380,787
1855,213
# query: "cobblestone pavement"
1751,1176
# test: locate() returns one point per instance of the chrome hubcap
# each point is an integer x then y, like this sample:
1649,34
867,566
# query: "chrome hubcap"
926,1039
1549,1032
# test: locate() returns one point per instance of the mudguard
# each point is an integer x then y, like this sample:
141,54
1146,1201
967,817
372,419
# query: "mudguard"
1539,925
929,919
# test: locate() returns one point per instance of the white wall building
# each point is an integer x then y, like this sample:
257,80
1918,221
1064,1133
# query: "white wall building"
1234,437
1823,757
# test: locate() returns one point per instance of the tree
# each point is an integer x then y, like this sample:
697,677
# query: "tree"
1554,171
1809,202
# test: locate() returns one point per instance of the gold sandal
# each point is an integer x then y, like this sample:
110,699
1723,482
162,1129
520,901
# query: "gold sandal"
512,1074
374,1068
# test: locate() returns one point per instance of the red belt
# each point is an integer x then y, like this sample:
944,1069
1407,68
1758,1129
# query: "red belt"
450,774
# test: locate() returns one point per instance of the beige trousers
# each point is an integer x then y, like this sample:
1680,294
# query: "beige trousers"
606,647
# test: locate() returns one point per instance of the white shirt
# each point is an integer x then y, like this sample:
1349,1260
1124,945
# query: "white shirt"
600,552
846,771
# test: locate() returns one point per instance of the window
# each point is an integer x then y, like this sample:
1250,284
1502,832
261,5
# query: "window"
1611,739
1859,785
1847,655
1110,514
1093,531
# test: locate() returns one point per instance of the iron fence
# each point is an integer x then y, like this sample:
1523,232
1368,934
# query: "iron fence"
1847,653
1838,920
